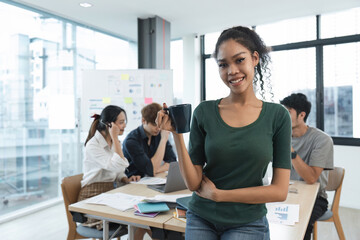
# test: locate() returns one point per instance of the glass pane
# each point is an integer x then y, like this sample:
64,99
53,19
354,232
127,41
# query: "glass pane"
215,88
340,23
342,88
294,71
210,41
37,133
41,59
104,51
176,64
288,31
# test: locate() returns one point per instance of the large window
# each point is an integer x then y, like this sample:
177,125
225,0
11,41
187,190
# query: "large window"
288,31
41,59
295,76
341,23
318,56
342,89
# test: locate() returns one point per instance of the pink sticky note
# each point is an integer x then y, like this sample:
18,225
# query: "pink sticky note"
148,100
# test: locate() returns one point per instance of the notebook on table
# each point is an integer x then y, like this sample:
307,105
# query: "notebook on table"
174,180
152,207
183,202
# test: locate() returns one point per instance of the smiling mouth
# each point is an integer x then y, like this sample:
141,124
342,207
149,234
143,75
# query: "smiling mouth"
237,80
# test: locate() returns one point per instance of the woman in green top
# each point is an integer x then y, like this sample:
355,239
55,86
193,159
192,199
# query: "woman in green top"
232,141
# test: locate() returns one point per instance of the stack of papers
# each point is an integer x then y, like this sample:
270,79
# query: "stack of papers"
119,201
287,214
166,198
143,205
151,181
146,214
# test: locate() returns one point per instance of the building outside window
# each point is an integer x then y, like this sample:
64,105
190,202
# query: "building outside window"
41,60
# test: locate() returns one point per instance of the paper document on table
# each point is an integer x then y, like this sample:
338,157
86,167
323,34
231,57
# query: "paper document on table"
287,214
166,198
151,181
119,201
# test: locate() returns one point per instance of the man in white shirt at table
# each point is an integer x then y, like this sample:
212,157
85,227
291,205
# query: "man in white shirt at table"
311,153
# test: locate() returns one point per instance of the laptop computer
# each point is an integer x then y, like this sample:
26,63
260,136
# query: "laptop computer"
174,180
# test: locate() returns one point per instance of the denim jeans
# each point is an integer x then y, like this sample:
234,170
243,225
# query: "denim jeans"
198,228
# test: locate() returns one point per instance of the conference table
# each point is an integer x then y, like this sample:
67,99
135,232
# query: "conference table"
300,193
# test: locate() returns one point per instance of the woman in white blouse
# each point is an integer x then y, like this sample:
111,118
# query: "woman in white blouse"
104,163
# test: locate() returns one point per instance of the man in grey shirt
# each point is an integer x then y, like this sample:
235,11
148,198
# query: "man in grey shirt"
311,153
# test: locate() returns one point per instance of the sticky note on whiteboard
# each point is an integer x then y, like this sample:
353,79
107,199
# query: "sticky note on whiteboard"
128,100
148,100
106,100
125,76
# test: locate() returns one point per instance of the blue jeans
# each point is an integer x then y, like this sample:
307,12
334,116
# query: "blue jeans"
198,228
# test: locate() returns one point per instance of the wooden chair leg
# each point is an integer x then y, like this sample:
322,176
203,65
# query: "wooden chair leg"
338,227
315,231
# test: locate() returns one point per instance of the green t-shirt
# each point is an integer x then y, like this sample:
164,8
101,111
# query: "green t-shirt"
237,157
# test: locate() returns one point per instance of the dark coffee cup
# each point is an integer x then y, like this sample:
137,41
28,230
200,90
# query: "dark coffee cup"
180,117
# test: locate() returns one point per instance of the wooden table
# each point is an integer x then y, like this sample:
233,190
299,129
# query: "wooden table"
305,197
108,214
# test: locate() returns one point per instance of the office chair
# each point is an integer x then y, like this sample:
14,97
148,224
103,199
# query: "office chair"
70,188
335,181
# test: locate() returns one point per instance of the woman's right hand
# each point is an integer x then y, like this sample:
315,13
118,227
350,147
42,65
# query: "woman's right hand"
114,131
163,120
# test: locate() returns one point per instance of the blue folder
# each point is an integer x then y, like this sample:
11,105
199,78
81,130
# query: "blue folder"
152,207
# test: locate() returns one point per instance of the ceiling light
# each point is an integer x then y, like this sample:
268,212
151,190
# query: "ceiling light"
85,4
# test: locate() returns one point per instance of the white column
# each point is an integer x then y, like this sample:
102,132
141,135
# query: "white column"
191,58
191,66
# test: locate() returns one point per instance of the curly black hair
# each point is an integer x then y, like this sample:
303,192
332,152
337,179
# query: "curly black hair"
252,41
299,103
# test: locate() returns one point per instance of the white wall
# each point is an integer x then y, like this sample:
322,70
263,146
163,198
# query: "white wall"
349,158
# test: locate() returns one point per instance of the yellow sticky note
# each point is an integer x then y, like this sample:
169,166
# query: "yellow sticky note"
106,100
128,100
125,76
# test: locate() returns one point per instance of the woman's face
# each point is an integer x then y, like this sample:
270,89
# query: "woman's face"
121,122
237,66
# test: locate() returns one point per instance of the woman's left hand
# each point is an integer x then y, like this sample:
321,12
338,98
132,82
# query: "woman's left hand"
207,189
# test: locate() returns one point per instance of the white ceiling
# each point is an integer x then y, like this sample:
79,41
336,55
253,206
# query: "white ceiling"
186,17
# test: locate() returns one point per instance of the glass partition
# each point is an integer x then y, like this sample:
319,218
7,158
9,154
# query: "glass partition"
41,59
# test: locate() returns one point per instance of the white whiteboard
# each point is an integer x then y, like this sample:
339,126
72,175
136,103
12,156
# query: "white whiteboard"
129,89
